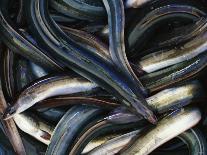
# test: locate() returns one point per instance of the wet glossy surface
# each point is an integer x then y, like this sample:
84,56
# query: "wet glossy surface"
103,77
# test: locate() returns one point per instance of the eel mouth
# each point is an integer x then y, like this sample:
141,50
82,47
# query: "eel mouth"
9,113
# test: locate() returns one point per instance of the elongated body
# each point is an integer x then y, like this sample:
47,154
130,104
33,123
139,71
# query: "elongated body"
162,101
84,62
114,145
167,100
34,126
98,141
181,35
70,125
189,50
141,31
48,87
193,138
167,128
90,41
10,127
62,84
175,97
29,124
116,19
186,46
178,36
167,77
70,100
17,42
7,73
85,10
13,135
187,90
95,45
94,129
